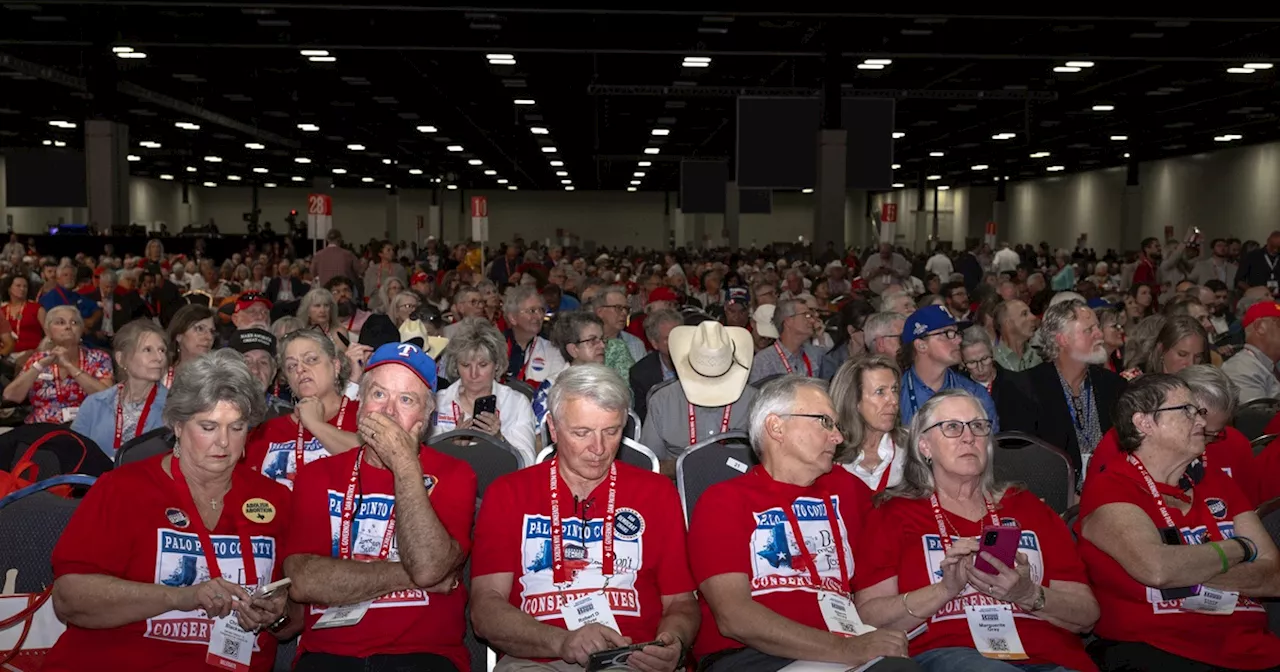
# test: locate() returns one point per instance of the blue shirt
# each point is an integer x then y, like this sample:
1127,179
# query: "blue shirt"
97,418
61,296
914,393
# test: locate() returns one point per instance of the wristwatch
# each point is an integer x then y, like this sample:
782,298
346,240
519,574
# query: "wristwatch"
1039,603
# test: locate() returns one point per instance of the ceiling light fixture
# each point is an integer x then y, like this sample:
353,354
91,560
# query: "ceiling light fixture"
696,62
451,187
1056,169
503,181
454,148
475,162
635,182
943,187
356,148
562,173
512,187
233,178
570,182
415,171
569,188
879,61
1004,136
59,123
184,125
645,164
191,169
1228,137
314,52
1040,155
131,55
937,154
386,162
213,159
339,171
502,61
261,170
270,185
980,166
366,180
490,172
898,185
210,184
298,178
1065,68
149,144
1119,138
1079,64
426,129
310,128
166,176
323,59
301,159
254,145
1103,108
525,101
895,166
133,157
807,190
934,177
1259,66
870,66
121,50
538,130
631,188
898,135
549,150
1241,71
59,143
652,150
638,173
660,131
556,164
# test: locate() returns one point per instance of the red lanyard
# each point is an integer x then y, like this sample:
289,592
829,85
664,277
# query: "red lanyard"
528,357
206,542
351,322
836,537
884,480
168,377
693,423
142,418
298,445
807,366
1160,506
57,382
944,536
349,515
560,573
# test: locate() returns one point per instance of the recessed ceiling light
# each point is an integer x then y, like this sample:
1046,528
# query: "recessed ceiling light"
502,61
898,185
1126,155
896,166
270,185
660,131
636,182
980,166
415,171
260,170
298,178
562,173
149,144
1103,108
879,61
134,157
538,130
1004,136
1228,137
131,54
213,159
301,159
569,188
356,148
898,135
638,173
1119,138
566,181
48,143
339,171
210,184
475,162
59,143
166,176
631,188
184,125
1039,155
807,190
1055,169
645,164
366,180
254,145
1079,64
549,150
314,52
491,172
870,66
386,162
452,187
499,57
121,50
67,124
512,187
191,169
454,148
233,178
934,177
322,59
943,187
1259,66
503,180
426,129
651,150
1063,68
525,101
310,128
556,164
1241,71
937,154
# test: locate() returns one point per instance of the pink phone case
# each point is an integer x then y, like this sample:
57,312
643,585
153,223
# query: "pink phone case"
1002,542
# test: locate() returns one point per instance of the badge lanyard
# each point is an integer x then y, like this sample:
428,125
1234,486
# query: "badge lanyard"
1086,406
693,423
1159,501
168,377
884,480
528,357
349,515
560,573
911,387
206,541
142,417
808,367
836,537
944,537
352,322
57,382
298,445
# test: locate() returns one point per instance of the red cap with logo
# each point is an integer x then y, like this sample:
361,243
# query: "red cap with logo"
663,294
1260,311
249,298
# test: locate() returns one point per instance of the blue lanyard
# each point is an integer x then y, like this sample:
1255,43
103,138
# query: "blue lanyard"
911,387
1087,402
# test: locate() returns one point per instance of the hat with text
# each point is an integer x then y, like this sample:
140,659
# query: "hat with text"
927,319
248,340
407,355
1260,311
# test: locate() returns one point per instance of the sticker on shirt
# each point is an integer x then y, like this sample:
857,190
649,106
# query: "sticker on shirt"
177,517
180,563
1193,536
776,564
1217,508
538,364
584,558
1028,544
279,465
368,528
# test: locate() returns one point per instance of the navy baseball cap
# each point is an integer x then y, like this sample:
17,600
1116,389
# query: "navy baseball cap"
927,319
407,355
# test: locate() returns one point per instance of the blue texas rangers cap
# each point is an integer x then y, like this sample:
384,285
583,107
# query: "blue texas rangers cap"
927,319
406,355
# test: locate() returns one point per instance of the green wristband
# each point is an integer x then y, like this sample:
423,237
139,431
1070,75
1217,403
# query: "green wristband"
1221,554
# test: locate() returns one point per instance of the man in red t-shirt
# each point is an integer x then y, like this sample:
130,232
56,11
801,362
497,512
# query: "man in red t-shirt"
380,533
772,549
597,545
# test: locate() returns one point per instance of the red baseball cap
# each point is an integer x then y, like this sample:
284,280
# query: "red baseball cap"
249,298
663,294
417,277
1260,311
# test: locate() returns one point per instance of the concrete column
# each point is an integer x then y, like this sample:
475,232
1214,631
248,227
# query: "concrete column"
678,227
829,213
393,216
732,210
107,173
668,221
1131,233
857,229
699,230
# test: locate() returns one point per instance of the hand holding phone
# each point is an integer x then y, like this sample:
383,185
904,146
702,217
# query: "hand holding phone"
268,591
999,541
487,404
614,658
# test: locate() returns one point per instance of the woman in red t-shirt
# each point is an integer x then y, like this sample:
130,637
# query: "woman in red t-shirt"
162,558
917,555
1177,565
25,318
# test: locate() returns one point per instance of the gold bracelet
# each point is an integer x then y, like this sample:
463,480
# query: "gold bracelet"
909,612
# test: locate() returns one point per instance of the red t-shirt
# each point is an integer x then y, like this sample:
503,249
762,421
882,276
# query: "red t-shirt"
1132,612
1266,473
739,527
901,540
132,525
270,449
1233,455
513,535
411,621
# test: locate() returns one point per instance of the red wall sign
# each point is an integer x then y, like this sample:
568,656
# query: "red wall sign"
888,212
479,206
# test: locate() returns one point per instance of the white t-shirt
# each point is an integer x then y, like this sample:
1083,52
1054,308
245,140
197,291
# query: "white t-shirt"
515,412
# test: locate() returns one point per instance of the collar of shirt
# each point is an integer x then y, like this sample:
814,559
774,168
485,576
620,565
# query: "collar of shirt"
886,453
1266,361
667,372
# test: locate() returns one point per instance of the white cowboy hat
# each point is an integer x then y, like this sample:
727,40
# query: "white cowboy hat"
712,361
432,345
763,319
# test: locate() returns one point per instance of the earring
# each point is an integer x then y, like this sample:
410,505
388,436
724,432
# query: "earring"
177,451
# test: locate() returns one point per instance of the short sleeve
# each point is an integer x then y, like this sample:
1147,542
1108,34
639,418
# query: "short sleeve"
719,535
1061,558
97,540
1227,488
310,531
455,504
496,528
879,548
674,577
1105,488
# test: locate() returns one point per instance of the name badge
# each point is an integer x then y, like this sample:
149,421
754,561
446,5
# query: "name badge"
841,616
994,633
69,413
341,617
1212,601
44,375
593,608
230,646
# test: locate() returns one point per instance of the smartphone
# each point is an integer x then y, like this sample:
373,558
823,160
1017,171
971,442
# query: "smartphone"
1193,238
487,404
1171,536
613,658
1002,542
272,588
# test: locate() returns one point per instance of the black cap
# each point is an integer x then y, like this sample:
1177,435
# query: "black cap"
248,340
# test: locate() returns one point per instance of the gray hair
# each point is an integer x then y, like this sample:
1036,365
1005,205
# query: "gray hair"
601,299
342,369
1142,340
285,326
1144,395
654,321
462,293
596,383
108,276
568,326
516,296
1063,297
917,474
776,397
125,342
879,325
220,375
785,308
1247,302
318,296
888,298
475,336
976,335
58,310
383,299
1211,387
1057,319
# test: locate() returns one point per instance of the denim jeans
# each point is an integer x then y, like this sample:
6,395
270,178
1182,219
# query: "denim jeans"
391,662
960,659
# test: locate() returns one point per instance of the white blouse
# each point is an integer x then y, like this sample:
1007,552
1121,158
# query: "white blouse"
515,413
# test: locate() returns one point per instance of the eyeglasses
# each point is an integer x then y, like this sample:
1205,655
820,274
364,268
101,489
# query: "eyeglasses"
950,334
592,340
982,361
952,429
531,311
1190,410
615,306
828,423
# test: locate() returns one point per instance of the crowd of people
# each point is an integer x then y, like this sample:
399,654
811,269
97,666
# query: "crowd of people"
869,531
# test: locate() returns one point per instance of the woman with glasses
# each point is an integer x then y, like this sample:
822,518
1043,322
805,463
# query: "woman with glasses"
1179,564
403,306
864,393
1111,319
62,373
579,336
919,560
1009,390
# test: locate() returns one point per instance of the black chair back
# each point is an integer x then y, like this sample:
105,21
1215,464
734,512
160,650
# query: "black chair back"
1269,512
155,442
521,387
489,457
717,459
1260,444
60,450
767,379
30,527
1252,417
1044,469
